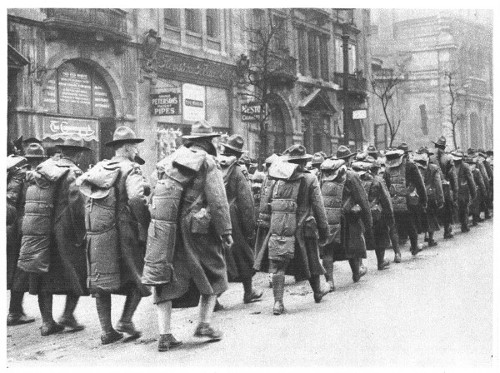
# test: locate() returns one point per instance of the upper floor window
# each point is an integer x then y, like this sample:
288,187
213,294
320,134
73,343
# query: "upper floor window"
172,17
212,23
279,24
193,20
339,57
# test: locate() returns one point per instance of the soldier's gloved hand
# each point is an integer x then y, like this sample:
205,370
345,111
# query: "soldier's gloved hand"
227,241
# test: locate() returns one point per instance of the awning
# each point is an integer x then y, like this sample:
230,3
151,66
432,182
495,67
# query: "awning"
16,59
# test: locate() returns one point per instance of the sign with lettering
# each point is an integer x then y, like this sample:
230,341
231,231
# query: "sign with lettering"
167,103
250,112
61,128
359,114
193,102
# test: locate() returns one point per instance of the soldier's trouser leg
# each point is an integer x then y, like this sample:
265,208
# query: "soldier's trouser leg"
16,302
463,216
447,218
45,305
125,325
251,294
328,264
206,308
279,269
70,306
103,304
315,283
357,271
164,313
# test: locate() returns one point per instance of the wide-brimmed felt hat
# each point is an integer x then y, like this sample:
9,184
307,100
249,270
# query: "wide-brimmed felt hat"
404,147
470,159
457,155
201,129
317,158
361,156
70,143
440,142
421,157
123,135
489,152
361,166
35,151
296,152
422,150
343,152
234,142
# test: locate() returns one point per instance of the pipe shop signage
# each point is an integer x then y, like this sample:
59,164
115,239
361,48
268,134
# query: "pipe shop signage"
62,128
167,103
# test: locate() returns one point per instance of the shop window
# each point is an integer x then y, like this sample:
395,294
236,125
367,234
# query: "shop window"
193,20
172,17
212,16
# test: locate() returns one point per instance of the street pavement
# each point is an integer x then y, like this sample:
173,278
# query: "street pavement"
431,310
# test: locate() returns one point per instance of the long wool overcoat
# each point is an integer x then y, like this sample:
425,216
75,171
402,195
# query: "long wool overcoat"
466,185
17,279
428,220
475,205
68,269
306,261
199,264
353,225
240,257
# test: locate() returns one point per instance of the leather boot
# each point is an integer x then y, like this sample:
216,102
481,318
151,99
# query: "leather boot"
328,264
381,262
68,317
167,342
251,294
49,326
318,293
447,232
125,324
355,269
16,314
278,290
103,305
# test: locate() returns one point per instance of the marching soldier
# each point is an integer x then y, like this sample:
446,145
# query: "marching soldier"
297,221
449,184
481,192
66,272
240,258
435,198
407,191
380,207
197,265
115,246
466,188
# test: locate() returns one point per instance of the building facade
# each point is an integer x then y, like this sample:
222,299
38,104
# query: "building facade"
433,46
83,72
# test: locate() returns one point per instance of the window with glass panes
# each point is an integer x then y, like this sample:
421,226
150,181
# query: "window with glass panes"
171,17
193,20
212,17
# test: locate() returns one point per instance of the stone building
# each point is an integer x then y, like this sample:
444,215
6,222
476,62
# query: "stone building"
433,44
83,72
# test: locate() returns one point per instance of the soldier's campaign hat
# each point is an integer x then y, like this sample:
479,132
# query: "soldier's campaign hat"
361,156
297,152
123,135
404,147
469,159
441,142
35,151
394,157
235,142
201,129
361,166
457,155
422,150
317,158
421,156
70,143
343,152
482,153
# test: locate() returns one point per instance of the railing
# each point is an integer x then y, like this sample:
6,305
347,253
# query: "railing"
281,68
110,21
354,83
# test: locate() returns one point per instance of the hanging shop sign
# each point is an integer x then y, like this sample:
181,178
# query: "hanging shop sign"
62,128
167,103
250,112
359,114
193,102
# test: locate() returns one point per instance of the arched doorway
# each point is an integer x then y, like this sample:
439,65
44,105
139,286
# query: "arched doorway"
476,139
79,104
279,129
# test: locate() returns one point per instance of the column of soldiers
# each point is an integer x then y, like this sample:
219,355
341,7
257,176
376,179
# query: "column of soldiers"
209,218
